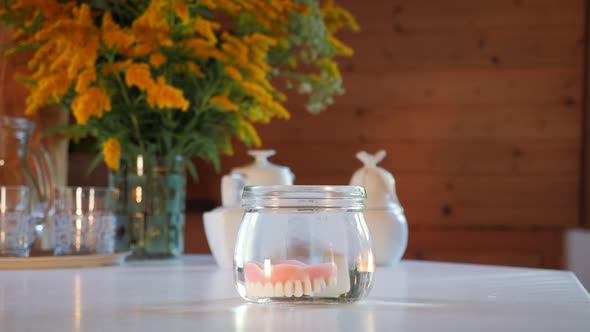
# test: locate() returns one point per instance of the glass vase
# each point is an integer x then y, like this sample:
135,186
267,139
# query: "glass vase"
151,207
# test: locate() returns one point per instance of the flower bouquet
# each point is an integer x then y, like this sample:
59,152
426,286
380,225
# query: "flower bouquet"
160,82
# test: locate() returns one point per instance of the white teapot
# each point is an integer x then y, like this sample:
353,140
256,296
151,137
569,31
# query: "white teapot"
384,213
222,224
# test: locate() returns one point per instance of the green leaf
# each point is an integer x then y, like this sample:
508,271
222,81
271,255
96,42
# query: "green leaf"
94,163
23,48
76,129
190,167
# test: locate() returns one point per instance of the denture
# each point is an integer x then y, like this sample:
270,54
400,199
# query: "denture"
288,278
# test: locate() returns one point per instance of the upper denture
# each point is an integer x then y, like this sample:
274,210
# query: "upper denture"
288,278
288,270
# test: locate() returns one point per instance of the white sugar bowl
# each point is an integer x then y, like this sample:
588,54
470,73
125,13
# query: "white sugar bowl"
383,213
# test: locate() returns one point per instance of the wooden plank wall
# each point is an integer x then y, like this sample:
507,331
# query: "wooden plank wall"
12,102
585,192
478,104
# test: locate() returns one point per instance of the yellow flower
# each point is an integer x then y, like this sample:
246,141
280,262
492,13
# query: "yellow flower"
85,57
256,91
208,3
255,71
32,105
181,10
228,6
93,102
247,133
235,47
116,67
139,75
49,89
144,48
233,72
210,53
206,28
329,67
157,59
111,151
154,17
159,94
87,76
262,40
340,47
223,103
152,28
198,43
195,68
279,111
113,35
166,96
337,17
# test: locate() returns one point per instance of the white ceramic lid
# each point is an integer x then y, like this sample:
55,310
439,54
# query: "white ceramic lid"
378,182
263,172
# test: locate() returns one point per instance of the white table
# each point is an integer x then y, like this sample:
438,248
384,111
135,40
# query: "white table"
193,295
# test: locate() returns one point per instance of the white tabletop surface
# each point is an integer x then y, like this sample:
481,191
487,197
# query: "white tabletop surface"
193,295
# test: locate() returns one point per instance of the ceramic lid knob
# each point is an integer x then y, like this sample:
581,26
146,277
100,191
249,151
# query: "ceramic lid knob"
261,156
378,182
263,172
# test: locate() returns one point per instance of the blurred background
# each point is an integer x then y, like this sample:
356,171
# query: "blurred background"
482,108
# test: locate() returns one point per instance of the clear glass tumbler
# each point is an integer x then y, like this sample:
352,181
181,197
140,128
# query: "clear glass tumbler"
303,244
17,231
85,220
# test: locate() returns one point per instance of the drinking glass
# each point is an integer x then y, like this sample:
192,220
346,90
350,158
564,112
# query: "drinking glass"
85,220
16,229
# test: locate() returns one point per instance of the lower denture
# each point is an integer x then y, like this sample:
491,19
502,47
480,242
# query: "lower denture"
288,278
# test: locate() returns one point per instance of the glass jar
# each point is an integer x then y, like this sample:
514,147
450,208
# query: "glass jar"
303,244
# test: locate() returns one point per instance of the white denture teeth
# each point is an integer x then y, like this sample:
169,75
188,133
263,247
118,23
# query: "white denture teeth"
254,289
332,282
268,290
298,288
288,288
307,289
278,291
291,288
317,286
258,289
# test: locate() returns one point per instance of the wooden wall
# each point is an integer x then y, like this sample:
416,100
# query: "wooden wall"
12,102
479,105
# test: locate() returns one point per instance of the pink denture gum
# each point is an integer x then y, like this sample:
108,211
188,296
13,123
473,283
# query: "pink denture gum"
288,278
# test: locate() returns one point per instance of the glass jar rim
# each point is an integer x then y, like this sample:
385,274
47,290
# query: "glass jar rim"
326,196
